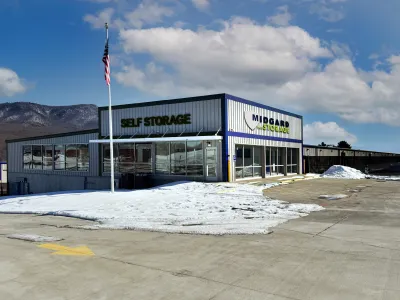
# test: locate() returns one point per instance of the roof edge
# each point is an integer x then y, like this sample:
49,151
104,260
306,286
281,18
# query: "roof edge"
71,133
166,101
337,148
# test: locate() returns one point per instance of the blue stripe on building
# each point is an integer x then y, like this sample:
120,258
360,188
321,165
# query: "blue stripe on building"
263,137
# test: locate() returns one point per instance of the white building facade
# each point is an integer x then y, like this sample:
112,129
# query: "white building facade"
208,138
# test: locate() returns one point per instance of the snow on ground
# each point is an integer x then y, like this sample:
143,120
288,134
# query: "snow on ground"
386,178
333,197
185,207
343,172
33,238
312,175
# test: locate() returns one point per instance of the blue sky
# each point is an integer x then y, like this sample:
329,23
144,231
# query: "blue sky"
336,62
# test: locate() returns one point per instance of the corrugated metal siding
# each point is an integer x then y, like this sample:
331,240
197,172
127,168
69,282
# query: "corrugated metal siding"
15,154
205,116
237,123
328,152
311,152
45,183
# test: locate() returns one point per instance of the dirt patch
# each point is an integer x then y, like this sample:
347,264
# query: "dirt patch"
309,191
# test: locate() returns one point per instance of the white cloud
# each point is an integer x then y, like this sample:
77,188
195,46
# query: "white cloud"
148,12
280,66
326,12
241,54
354,95
97,21
10,83
201,4
330,133
179,24
277,65
282,18
394,59
341,50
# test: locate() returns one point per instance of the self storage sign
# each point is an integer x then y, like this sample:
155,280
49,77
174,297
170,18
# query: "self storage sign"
157,121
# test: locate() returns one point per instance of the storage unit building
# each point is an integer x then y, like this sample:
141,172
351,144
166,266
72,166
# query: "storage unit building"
208,138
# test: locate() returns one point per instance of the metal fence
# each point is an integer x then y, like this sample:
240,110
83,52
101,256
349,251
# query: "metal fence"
375,164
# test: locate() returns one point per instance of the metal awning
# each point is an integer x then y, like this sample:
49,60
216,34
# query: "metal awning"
160,139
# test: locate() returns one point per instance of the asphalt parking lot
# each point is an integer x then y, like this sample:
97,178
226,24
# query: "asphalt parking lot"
351,250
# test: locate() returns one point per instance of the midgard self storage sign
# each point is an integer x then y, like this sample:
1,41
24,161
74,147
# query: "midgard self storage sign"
157,121
264,123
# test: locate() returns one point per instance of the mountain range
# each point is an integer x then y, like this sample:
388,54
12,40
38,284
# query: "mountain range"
24,119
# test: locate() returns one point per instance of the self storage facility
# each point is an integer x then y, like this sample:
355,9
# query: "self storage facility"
208,138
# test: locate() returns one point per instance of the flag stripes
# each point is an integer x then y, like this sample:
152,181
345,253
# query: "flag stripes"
106,61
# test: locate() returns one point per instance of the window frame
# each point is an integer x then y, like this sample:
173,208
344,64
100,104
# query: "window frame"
53,151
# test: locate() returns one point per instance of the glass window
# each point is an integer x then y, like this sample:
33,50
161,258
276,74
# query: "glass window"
295,156
239,161
239,172
83,157
70,158
268,161
126,156
257,156
162,158
178,158
289,156
107,160
143,153
295,160
47,152
248,161
257,161
274,157
239,156
194,155
143,158
37,162
28,162
59,157
281,156
211,158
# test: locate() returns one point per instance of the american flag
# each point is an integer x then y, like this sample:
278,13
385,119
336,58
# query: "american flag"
106,61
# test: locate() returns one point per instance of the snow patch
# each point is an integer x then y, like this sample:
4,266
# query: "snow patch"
185,207
33,238
384,178
333,197
312,175
343,172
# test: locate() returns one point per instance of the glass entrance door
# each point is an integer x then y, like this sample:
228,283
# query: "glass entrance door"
143,158
280,162
274,161
211,160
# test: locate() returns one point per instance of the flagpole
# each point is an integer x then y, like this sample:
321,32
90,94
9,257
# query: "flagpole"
110,127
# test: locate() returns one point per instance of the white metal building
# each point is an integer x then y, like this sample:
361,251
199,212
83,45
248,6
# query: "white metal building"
208,138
